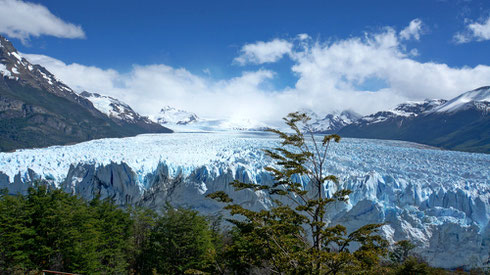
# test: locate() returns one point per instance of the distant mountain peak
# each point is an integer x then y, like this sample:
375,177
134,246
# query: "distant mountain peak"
477,98
112,107
171,115
37,109
461,123
14,66
404,110
331,122
117,110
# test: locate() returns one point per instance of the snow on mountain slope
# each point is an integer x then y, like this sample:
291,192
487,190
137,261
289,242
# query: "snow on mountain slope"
409,109
438,199
111,107
480,98
14,66
219,125
329,123
120,112
170,115
334,121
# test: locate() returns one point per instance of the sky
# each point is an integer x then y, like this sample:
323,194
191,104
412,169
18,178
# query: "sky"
257,59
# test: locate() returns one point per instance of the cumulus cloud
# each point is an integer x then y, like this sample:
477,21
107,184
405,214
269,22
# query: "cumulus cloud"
334,74
78,77
265,52
366,74
413,30
474,31
148,88
19,19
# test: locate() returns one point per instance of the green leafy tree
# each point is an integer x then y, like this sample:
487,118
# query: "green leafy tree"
144,222
49,229
114,231
180,242
14,231
401,251
295,236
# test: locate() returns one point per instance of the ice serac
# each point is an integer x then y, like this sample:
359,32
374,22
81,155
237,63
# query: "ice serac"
438,199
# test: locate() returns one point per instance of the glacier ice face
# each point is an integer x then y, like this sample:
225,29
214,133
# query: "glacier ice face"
438,199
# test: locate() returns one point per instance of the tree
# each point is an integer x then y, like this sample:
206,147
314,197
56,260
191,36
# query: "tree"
180,242
14,231
50,229
401,251
144,221
295,236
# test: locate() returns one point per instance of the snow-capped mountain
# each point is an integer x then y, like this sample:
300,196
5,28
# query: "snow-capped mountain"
173,116
185,121
478,99
241,125
461,123
37,109
16,68
440,200
112,107
333,122
115,109
221,125
407,110
120,112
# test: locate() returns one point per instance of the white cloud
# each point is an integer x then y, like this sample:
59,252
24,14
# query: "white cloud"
303,36
414,29
264,52
78,77
474,31
148,88
461,38
19,19
481,31
332,76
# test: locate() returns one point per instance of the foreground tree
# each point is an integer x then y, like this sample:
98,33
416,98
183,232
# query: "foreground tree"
50,229
295,236
180,242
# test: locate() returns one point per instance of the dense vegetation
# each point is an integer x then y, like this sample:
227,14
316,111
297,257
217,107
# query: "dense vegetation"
49,229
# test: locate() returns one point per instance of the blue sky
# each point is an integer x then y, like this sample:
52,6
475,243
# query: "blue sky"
208,34
205,38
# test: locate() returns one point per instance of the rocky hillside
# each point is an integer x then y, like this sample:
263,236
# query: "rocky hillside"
461,123
332,122
37,109
120,112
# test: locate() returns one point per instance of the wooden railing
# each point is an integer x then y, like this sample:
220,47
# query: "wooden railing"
45,272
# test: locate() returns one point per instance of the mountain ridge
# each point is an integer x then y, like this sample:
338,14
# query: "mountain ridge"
38,110
461,123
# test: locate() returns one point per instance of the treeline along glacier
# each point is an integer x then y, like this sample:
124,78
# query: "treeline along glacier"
438,199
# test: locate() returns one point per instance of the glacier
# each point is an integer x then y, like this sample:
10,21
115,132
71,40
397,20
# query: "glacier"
438,199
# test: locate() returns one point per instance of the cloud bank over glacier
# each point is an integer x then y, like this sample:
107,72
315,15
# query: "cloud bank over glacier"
365,73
